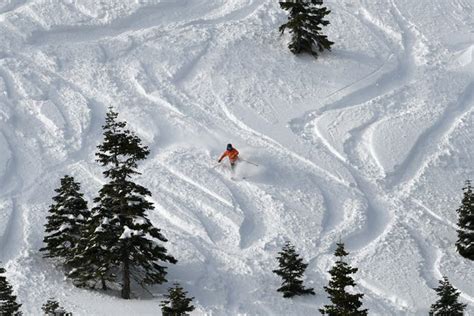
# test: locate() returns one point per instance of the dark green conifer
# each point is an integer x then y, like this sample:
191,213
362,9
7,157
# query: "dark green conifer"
305,21
52,308
120,235
66,220
291,271
92,265
465,242
343,302
176,303
447,303
8,304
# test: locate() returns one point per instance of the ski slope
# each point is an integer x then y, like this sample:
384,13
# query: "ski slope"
370,144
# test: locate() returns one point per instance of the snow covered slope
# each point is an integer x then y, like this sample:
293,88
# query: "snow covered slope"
370,144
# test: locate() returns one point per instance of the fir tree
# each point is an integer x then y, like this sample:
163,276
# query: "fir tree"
447,303
8,304
92,265
465,242
66,221
305,21
343,303
176,302
52,307
291,271
120,235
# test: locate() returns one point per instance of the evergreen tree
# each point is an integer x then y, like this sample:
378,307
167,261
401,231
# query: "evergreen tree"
120,236
52,308
305,21
448,300
176,302
343,303
291,271
8,304
465,242
66,221
92,265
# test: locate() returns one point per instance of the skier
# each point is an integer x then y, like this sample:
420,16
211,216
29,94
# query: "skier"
232,153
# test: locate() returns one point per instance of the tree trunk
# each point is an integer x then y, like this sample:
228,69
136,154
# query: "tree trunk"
126,275
104,285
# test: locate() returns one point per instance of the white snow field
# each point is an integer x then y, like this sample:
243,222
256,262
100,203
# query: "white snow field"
370,144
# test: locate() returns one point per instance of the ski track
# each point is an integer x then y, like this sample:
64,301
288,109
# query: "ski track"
234,16
395,302
385,83
156,99
390,81
186,70
166,94
10,236
12,239
331,218
252,227
427,145
8,176
198,186
12,6
358,139
378,216
434,215
143,18
269,142
428,271
7,79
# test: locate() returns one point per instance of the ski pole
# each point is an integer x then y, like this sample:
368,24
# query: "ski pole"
252,163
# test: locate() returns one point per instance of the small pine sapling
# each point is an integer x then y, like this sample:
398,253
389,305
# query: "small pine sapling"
66,221
52,308
447,303
291,271
465,242
176,303
8,304
343,302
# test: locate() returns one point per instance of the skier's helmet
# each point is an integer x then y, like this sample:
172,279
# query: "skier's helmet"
229,146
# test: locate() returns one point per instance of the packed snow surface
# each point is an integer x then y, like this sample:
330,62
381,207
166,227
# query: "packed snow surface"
370,144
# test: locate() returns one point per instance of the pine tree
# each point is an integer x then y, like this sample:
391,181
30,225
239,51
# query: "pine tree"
448,300
52,307
291,271
120,235
176,303
8,304
92,265
343,303
465,242
306,17
66,221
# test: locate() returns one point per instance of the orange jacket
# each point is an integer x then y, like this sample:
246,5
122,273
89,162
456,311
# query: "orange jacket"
233,155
